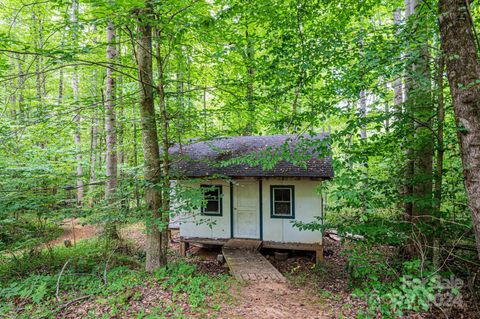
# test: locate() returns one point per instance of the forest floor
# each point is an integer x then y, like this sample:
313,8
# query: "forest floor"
311,291
296,299
73,230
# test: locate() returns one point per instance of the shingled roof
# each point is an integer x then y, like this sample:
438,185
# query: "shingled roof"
203,159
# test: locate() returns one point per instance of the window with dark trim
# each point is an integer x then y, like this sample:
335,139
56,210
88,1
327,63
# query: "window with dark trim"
212,197
282,201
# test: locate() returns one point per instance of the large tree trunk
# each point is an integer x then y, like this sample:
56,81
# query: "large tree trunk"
77,119
463,71
153,196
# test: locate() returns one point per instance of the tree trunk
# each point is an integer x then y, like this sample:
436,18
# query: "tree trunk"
77,119
21,85
110,132
463,71
38,58
249,95
423,112
409,126
125,198
93,152
93,132
135,163
437,194
110,120
153,196
165,146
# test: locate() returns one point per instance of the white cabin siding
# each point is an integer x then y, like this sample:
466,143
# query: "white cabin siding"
307,202
194,224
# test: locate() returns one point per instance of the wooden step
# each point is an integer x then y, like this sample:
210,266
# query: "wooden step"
249,265
238,243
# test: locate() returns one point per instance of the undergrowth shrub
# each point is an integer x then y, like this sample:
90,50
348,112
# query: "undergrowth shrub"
391,290
182,278
32,291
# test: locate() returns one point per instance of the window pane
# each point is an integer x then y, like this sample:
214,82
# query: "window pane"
212,206
211,194
212,197
282,194
282,209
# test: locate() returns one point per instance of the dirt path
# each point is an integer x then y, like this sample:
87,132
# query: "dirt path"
272,301
73,231
254,300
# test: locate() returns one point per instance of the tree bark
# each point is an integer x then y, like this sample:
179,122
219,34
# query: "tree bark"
423,112
111,163
250,78
153,196
437,194
398,83
21,86
458,43
165,181
93,132
77,119
110,119
135,163
409,126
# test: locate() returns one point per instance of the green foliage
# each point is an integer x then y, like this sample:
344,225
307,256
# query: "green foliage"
26,232
35,284
183,280
391,290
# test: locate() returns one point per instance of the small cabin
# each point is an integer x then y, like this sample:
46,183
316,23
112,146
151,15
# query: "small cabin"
259,201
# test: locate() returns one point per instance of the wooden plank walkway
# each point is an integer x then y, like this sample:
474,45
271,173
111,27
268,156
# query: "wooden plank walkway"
247,264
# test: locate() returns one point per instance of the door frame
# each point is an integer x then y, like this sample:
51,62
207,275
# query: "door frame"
260,209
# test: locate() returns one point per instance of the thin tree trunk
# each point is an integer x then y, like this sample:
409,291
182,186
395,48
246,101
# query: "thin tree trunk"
12,90
135,163
423,112
439,170
463,71
93,153
93,134
110,119
38,58
165,146
77,119
110,131
125,199
153,197
60,77
409,137
250,78
21,85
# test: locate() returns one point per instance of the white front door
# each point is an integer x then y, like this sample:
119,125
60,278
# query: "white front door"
246,213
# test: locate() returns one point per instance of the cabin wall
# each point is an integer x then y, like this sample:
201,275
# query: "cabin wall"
308,204
193,224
